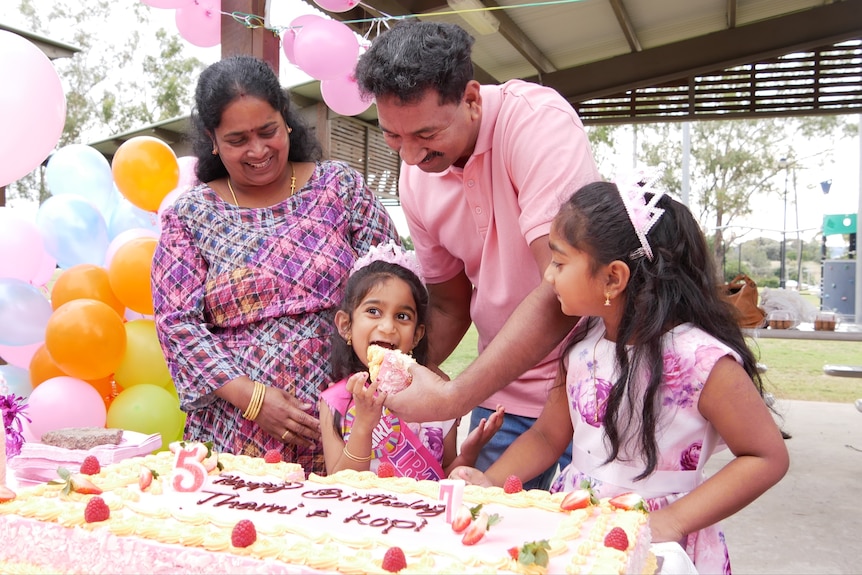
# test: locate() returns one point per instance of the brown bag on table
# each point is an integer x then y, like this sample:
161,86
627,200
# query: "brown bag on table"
741,291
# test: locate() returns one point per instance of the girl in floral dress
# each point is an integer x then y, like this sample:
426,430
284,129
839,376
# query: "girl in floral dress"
655,377
386,304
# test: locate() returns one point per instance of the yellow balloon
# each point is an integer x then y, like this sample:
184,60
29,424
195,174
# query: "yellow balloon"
143,361
145,170
148,409
129,274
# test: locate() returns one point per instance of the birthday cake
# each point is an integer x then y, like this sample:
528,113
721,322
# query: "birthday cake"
350,522
388,368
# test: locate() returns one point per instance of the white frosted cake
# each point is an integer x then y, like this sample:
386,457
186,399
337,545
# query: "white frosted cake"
343,523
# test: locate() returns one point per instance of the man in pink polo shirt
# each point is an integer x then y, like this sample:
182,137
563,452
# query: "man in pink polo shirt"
485,169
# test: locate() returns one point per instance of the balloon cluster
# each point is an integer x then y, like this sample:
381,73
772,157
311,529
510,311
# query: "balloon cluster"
88,354
325,49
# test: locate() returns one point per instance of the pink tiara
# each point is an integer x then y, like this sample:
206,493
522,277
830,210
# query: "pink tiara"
642,213
393,254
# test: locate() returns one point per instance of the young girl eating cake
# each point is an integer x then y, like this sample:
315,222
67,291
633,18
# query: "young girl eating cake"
382,316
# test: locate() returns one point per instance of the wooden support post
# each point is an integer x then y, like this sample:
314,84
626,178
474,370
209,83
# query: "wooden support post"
237,39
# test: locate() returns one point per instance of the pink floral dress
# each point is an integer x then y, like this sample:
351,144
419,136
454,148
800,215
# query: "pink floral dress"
685,439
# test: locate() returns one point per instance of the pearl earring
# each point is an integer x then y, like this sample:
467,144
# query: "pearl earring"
607,299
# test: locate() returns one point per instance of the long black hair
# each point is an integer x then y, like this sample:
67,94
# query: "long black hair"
223,82
343,359
680,285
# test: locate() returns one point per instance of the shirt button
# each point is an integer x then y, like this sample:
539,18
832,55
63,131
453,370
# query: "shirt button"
470,183
479,210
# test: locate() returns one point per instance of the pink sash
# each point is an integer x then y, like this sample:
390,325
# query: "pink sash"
392,440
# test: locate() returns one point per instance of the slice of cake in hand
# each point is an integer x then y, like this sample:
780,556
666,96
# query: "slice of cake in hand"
389,368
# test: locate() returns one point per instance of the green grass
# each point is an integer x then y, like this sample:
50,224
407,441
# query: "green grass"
794,367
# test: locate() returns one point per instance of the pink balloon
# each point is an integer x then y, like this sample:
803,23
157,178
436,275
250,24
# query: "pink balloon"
19,355
326,49
167,3
342,96
20,245
187,165
288,38
45,271
336,5
65,402
169,200
32,107
200,22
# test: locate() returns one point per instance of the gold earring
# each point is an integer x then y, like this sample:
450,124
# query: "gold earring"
607,299
215,152
349,340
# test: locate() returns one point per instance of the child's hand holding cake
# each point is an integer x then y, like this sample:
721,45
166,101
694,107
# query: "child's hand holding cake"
388,368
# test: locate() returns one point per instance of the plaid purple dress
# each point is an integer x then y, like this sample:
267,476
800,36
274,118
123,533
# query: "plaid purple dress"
246,291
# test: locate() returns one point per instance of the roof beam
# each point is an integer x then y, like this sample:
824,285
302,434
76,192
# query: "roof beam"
383,8
626,25
731,13
828,24
520,41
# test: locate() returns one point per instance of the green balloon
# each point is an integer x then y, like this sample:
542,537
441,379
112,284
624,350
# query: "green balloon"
147,408
143,361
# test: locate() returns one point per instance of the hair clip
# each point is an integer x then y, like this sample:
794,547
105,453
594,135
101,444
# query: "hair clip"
643,214
390,253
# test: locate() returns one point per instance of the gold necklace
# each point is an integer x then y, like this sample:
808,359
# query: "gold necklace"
292,185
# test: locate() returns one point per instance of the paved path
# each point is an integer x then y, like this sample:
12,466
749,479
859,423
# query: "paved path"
811,522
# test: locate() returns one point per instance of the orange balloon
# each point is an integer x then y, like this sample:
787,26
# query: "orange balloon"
107,388
42,367
85,281
86,338
145,170
129,274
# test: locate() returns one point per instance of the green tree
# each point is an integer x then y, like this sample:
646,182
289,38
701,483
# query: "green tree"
110,87
732,162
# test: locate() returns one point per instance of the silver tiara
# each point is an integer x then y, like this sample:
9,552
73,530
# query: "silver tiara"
393,254
643,214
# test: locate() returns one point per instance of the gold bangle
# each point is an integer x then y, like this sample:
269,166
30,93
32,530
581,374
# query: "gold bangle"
352,457
256,402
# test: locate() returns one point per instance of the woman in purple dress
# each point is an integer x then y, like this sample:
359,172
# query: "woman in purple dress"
251,264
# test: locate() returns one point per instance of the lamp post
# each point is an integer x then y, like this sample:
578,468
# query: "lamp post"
782,271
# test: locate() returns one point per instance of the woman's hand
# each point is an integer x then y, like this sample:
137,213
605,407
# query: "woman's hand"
471,475
286,418
368,403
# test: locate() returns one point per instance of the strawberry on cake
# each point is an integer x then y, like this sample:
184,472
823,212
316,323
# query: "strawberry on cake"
389,369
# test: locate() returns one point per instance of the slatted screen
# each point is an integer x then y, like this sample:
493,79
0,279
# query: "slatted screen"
362,146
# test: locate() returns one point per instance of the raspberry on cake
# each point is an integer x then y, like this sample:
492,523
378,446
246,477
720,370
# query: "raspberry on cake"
389,368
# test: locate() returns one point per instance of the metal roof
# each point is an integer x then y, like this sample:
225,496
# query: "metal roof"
630,61
648,53
52,48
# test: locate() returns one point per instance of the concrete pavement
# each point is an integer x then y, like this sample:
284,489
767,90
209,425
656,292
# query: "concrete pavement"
811,522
